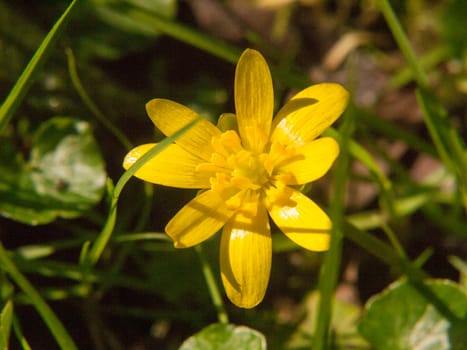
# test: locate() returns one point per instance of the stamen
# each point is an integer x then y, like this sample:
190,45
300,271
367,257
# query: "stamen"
238,172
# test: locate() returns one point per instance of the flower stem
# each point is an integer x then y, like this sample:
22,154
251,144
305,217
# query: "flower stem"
330,270
212,286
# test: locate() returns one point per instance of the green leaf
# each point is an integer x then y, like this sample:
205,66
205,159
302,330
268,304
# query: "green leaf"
428,316
225,337
6,317
64,177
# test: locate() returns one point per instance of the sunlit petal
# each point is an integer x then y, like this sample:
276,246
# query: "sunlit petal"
245,258
254,100
300,219
198,220
170,117
172,167
309,113
311,161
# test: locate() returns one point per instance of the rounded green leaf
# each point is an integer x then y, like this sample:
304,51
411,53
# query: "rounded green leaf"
423,316
225,337
64,177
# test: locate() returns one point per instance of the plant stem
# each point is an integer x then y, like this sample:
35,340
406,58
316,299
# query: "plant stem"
100,116
19,335
212,286
331,266
104,236
403,42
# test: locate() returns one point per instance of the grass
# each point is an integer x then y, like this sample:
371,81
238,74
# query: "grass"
397,195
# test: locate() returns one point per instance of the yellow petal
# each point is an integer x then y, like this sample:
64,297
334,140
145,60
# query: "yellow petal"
309,113
198,220
172,167
170,117
300,219
245,257
254,100
311,161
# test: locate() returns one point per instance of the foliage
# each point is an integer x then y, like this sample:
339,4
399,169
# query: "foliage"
64,175
83,243
225,336
433,317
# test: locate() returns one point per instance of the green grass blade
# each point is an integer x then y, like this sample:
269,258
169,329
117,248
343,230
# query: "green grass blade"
103,238
332,260
212,286
436,125
383,251
460,266
100,116
359,152
6,317
183,33
24,82
403,42
427,61
395,131
207,43
19,335
57,329
448,143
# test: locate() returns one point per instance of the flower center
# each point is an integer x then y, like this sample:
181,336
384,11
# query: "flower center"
235,170
248,170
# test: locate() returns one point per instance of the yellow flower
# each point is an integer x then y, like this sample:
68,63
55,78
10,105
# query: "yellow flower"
248,172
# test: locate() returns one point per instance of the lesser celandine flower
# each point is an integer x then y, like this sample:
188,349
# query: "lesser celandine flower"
248,172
